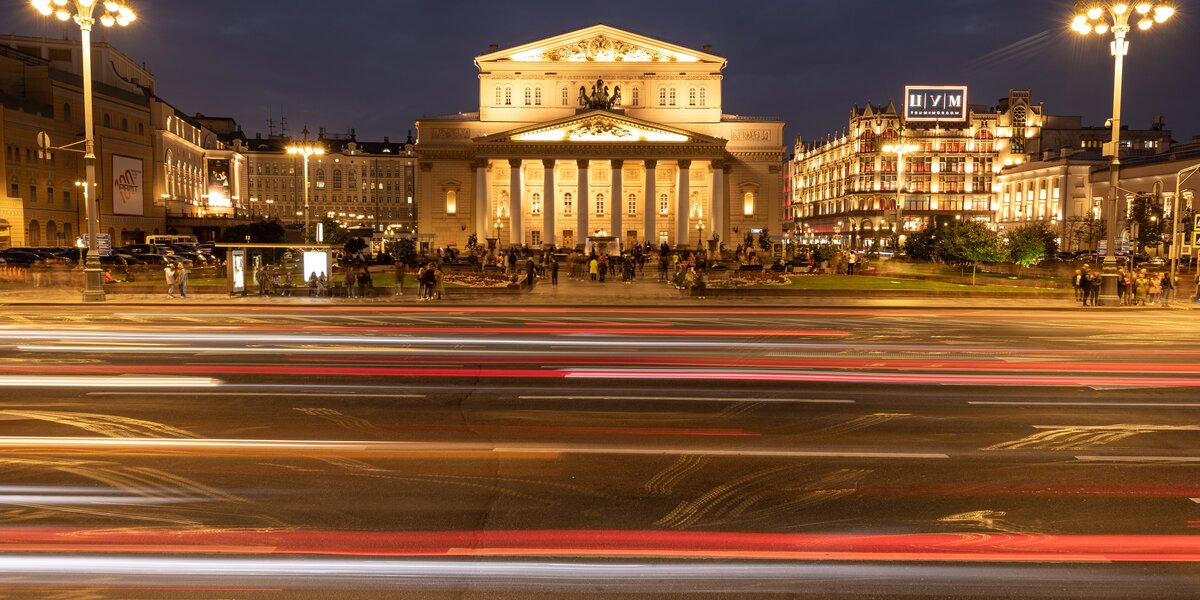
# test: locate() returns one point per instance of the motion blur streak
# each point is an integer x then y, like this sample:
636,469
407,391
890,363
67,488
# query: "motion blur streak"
104,382
972,547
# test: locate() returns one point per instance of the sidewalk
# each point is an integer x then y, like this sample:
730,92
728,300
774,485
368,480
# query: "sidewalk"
583,293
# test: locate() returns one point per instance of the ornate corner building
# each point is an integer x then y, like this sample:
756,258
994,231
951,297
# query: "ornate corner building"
598,135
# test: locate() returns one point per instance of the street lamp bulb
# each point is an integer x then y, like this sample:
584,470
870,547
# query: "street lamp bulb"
122,21
108,21
60,2
1163,12
126,13
1120,9
1102,28
1144,7
45,10
62,14
111,6
1095,12
1145,24
1081,27
86,3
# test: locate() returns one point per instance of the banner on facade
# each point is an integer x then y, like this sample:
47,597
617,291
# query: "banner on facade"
935,103
218,182
127,190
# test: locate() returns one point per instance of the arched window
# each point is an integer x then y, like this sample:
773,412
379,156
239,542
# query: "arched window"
636,97
508,95
141,128
337,179
537,97
528,96
107,120
566,96
1019,120
664,204
984,141
748,204
599,204
703,96
67,111
498,96
866,141
321,179
662,96
124,124
451,202
536,204
671,97
568,204
631,205
691,96
34,235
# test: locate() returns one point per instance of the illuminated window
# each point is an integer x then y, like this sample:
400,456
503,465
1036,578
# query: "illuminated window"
498,96
636,99
536,237
507,95
568,203
451,202
748,204
537,97
528,95
599,204
664,204
662,96
631,205
536,205
1019,120
663,236
671,97
566,94
691,96
703,94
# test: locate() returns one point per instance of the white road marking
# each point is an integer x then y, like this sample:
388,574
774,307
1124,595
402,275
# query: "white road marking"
289,394
122,381
690,398
1117,404
704,452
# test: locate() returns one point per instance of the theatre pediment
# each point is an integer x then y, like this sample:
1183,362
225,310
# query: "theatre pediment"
600,43
600,126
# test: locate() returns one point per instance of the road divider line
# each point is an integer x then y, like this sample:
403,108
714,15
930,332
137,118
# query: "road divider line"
268,394
1114,404
744,453
1141,459
120,381
691,398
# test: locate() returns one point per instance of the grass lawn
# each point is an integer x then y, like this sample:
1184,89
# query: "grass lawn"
865,282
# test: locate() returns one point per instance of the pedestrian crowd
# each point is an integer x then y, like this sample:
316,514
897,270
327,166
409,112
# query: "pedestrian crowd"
1134,287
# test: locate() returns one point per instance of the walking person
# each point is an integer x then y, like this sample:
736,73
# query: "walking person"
364,281
701,283
553,271
169,271
439,285
851,262
1077,283
1168,289
181,279
399,269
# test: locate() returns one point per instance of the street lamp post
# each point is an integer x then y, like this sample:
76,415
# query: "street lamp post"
1101,16
700,235
1180,177
900,150
306,149
84,14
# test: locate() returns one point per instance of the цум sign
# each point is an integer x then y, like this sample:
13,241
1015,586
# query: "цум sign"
935,103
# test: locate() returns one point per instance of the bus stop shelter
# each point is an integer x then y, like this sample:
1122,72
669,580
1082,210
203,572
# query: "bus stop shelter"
245,264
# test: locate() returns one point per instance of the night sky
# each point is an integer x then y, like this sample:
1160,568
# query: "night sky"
377,65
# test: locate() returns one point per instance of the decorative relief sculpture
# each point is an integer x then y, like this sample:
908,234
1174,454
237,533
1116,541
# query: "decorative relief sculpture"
604,49
752,135
600,99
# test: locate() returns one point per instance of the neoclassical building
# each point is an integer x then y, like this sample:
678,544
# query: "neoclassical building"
598,135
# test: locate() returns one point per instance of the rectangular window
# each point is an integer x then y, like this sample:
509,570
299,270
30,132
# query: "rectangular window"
632,205
33,193
600,204
66,199
568,204
536,237
664,204
663,237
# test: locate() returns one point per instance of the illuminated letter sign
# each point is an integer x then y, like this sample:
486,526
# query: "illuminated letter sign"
935,103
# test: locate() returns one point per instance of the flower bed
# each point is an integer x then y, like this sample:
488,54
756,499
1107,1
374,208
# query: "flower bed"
476,279
737,279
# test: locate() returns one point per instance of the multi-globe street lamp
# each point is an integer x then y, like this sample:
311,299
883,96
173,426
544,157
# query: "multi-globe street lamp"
84,13
900,150
1101,17
306,149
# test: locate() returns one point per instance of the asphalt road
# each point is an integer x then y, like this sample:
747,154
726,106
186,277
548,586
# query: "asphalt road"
658,452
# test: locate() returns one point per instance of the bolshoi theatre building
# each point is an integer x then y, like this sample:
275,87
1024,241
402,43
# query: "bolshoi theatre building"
599,138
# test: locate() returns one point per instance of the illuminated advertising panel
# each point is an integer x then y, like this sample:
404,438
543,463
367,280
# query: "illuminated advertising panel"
218,182
127,185
935,103
316,261
237,262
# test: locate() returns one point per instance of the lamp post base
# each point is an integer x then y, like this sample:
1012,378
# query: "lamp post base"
93,285
1108,283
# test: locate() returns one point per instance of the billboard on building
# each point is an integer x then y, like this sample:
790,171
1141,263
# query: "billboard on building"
218,182
127,182
935,103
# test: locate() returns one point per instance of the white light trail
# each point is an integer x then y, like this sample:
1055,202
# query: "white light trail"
122,381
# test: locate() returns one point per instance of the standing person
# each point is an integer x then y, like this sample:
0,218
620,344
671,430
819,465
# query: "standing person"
701,283
169,271
1168,289
348,279
851,262
553,270
428,279
399,269
1122,283
364,281
603,267
593,268
1155,288
181,278
1076,282
530,271
439,285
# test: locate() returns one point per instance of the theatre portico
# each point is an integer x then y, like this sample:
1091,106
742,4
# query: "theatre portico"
604,134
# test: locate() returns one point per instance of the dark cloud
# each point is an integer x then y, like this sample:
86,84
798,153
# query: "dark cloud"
376,65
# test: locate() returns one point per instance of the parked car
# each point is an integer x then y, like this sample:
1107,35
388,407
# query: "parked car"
153,259
20,257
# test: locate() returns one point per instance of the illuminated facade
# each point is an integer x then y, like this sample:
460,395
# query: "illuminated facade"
555,157
844,188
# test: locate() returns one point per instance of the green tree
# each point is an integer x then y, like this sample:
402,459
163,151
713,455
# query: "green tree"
764,241
354,245
922,245
403,250
334,233
1084,231
1030,243
970,242
748,241
1146,221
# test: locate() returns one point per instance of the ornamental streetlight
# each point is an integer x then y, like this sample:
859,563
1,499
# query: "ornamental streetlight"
1100,17
306,149
1180,177
84,14
900,150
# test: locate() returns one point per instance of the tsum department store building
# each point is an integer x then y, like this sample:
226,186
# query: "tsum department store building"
550,159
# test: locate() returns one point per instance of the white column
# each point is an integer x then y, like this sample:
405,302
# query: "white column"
481,200
618,201
581,202
515,205
548,203
651,203
681,202
718,210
